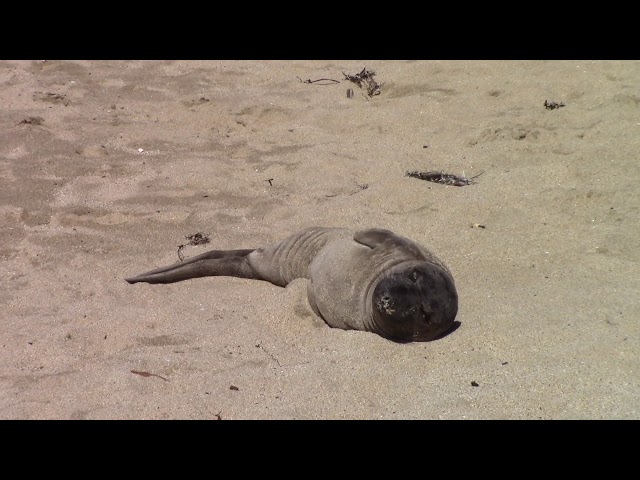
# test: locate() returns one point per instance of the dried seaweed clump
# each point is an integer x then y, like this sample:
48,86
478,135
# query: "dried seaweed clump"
444,178
552,105
197,239
365,80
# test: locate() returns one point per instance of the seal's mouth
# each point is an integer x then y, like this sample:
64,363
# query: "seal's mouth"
434,333
411,323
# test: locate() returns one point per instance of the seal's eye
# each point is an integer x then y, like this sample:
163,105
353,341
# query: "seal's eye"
413,276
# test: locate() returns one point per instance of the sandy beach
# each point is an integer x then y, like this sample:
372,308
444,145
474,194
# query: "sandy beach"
107,167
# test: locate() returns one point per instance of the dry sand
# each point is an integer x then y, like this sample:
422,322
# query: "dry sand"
549,290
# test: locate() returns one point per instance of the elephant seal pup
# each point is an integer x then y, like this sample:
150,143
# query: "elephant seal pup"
371,280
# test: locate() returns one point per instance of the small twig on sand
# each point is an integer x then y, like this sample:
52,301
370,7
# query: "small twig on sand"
329,80
147,374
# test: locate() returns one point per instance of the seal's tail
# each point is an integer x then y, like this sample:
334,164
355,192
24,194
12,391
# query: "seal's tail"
230,263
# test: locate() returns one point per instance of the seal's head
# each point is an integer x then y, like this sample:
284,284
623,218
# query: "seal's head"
414,303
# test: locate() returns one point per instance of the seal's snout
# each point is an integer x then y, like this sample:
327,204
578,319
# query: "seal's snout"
415,304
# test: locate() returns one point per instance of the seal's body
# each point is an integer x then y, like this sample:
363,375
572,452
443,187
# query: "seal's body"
371,280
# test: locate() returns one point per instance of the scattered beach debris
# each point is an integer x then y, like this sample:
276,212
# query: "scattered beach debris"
365,79
475,384
269,180
147,374
197,101
477,225
360,186
505,363
233,387
32,121
552,105
217,415
327,81
350,93
141,150
444,178
51,97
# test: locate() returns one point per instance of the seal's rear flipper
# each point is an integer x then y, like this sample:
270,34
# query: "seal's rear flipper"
230,263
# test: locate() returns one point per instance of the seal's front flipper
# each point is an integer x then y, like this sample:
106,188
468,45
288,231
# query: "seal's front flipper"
229,263
373,237
377,237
